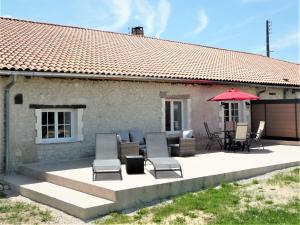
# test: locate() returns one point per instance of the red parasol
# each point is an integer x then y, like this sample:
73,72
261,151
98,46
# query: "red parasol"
233,95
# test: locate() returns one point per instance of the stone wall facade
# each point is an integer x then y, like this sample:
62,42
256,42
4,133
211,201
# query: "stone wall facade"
110,106
2,83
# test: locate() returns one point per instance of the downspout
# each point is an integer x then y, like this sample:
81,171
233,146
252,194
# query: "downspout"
261,91
6,121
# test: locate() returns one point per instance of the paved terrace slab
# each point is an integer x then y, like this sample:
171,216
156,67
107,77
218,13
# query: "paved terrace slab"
200,171
200,165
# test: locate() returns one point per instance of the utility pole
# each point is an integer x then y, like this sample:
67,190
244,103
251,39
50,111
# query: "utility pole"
268,37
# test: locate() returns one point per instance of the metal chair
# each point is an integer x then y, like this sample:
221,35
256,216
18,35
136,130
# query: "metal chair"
241,139
212,138
229,131
257,136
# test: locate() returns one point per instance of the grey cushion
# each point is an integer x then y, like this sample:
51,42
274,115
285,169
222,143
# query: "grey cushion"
106,165
174,145
137,136
119,138
164,163
187,134
124,135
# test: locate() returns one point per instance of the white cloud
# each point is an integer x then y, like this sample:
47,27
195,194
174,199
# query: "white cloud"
202,24
153,17
232,31
146,15
164,10
121,11
289,40
240,25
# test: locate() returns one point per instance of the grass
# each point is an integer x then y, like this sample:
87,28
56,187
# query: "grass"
285,214
211,201
259,197
255,181
220,205
20,213
286,178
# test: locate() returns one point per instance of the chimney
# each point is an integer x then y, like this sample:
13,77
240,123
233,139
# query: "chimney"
139,31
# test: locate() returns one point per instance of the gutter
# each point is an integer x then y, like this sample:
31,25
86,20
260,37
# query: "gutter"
6,121
117,77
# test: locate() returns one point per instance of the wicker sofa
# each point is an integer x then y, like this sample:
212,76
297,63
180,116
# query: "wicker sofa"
130,143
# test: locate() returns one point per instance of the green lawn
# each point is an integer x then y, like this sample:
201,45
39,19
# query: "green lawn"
286,178
17,212
227,204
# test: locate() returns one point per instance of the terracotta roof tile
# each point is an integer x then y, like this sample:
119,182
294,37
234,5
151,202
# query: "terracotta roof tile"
34,46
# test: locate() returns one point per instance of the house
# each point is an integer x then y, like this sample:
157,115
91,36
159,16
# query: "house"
60,85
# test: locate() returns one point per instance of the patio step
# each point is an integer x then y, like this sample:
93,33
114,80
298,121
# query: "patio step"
82,186
75,203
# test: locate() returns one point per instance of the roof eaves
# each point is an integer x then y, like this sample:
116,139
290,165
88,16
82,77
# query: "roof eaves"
133,77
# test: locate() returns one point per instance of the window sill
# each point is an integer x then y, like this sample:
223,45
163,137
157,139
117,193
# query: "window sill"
56,141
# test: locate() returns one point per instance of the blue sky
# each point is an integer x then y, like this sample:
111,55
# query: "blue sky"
231,24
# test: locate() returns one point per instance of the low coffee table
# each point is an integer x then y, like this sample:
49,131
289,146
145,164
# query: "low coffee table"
134,164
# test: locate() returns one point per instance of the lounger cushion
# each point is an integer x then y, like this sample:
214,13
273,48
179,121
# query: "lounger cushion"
124,135
137,135
106,165
164,163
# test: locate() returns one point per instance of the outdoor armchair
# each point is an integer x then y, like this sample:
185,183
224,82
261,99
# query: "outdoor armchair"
129,139
212,138
137,135
106,160
184,145
127,146
158,154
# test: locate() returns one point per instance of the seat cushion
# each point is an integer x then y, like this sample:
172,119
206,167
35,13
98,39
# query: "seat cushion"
174,145
124,134
137,136
187,134
119,138
106,165
164,163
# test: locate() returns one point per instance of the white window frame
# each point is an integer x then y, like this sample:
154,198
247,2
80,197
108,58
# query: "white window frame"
230,110
172,115
76,126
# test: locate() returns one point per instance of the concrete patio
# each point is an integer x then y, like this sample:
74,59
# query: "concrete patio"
69,187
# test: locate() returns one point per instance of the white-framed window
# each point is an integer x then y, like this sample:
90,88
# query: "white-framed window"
58,125
232,111
174,115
